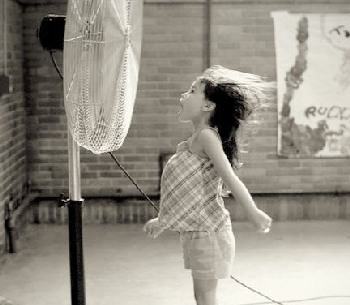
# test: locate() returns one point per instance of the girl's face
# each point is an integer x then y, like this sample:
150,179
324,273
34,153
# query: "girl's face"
192,102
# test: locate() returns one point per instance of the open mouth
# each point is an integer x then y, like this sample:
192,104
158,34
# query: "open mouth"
180,109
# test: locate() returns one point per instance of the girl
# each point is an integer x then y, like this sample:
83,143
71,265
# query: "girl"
191,183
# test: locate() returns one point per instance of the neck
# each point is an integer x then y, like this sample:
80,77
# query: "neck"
199,124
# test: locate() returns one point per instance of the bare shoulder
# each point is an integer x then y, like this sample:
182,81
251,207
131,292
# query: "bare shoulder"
209,136
210,142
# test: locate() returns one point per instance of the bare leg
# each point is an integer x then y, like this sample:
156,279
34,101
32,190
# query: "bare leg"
205,291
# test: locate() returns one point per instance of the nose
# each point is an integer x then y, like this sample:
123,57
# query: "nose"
183,96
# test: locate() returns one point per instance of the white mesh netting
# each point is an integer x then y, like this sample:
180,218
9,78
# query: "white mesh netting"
102,47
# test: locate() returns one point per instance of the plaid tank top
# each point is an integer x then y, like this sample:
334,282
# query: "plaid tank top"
190,198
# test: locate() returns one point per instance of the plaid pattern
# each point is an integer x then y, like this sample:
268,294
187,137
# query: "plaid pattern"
190,197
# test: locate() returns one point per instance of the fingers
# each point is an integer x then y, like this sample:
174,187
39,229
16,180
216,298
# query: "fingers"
148,225
151,233
145,227
266,227
265,230
150,229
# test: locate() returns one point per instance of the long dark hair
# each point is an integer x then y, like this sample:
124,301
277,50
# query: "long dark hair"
231,108
235,94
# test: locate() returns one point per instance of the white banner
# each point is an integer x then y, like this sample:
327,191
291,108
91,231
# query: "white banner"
313,77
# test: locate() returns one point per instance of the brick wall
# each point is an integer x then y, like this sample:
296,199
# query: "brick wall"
174,51
13,173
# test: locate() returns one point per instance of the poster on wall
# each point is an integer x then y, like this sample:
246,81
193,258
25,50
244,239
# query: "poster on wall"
313,83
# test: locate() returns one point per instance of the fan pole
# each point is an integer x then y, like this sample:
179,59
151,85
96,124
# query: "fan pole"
75,225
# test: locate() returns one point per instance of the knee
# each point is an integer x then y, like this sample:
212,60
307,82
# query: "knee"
205,291
196,298
205,297
200,300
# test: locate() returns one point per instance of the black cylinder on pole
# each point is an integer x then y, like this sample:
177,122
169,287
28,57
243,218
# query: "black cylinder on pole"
76,253
51,32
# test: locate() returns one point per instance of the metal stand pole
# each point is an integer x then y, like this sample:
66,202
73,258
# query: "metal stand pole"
75,225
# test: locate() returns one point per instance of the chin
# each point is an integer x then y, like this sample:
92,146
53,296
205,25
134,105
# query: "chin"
184,120
179,117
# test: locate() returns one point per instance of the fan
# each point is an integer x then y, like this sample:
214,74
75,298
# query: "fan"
102,43
101,54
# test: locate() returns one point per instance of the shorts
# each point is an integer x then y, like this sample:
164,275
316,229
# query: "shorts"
209,255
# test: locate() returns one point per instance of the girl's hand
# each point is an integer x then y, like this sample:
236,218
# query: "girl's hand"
152,228
261,220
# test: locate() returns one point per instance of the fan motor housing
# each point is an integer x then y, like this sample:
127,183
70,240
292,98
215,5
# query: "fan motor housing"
51,32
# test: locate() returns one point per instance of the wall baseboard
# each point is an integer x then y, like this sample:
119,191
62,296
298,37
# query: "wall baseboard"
281,207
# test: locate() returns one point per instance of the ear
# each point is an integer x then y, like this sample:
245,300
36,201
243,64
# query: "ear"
208,106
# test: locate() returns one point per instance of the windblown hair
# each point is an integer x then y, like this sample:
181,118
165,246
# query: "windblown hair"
235,95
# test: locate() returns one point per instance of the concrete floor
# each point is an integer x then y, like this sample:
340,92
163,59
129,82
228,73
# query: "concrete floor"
296,260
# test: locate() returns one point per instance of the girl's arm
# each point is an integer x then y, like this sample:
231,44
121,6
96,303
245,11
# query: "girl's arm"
212,146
